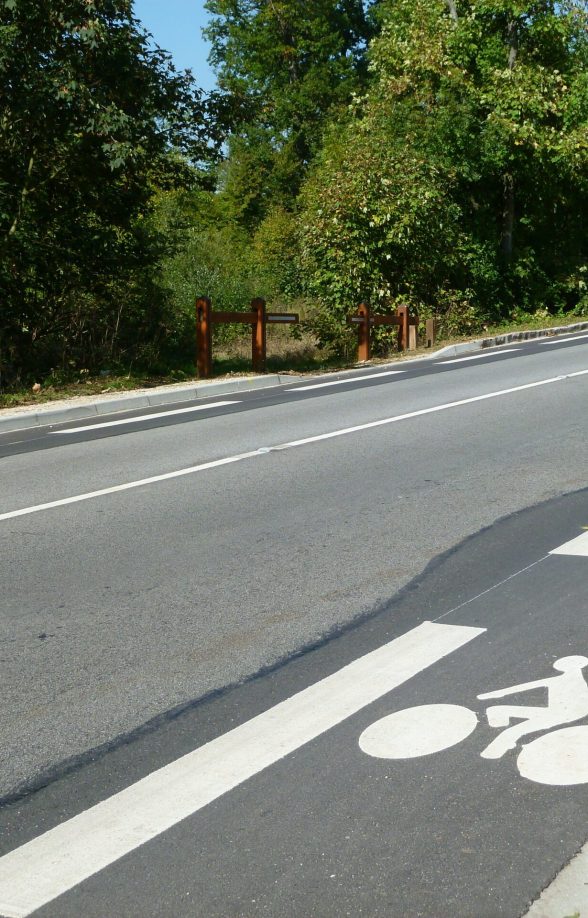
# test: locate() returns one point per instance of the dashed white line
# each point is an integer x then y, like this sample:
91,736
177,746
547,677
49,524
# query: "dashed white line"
318,438
557,340
143,417
346,382
508,350
51,864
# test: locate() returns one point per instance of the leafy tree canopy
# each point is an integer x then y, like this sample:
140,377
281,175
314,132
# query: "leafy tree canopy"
285,66
461,178
92,119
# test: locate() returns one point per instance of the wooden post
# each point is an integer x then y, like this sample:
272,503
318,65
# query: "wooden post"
258,336
363,342
204,337
412,336
403,330
430,332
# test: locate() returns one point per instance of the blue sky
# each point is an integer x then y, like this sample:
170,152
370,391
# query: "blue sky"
176,26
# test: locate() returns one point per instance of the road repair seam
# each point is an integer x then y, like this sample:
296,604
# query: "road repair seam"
318,438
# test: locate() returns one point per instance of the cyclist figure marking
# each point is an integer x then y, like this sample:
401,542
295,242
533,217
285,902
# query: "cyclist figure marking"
567,701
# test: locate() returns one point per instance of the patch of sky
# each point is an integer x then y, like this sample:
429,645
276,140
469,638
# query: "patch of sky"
176,26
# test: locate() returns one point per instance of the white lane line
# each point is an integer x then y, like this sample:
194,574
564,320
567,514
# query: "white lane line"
557,340
143,417
346,382
577,546
128,486
49,865
423,411
216,463
508,350
567,894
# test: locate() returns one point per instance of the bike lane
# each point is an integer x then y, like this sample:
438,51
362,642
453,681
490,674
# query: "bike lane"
336,826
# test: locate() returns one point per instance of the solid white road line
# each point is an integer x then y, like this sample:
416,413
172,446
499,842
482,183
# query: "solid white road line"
143,417
577,546
508,350
424,411
557,340
346,382
216,463
49,865
128,486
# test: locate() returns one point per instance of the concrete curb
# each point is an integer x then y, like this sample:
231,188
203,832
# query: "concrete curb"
80,409
469,347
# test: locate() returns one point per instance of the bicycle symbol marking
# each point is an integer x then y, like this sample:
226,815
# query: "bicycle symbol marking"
558,758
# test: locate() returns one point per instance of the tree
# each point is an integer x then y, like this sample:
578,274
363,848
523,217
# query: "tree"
285,66
92,121
472,144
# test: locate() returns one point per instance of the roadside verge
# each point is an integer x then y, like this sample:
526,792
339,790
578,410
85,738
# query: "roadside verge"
82,407
79,408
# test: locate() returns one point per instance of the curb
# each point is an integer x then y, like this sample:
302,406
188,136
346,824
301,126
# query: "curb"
468,347
56,413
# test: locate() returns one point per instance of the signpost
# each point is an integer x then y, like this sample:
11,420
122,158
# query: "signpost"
258,318
407,329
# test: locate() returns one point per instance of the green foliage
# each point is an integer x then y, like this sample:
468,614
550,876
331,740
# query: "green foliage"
459,182
274,256
445,166
91,120
285,67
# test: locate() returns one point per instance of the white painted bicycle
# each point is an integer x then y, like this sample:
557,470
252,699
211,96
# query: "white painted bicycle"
559,757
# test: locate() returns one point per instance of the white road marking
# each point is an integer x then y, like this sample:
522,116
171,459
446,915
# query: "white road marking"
128,486
418,731
567,701
577,546
143,417
216,463
508,350
49,865
559,759
567,894
424,411
345,382
557,340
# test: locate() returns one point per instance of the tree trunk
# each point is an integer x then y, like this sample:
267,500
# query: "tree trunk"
508,215
508,185
23,198
452,10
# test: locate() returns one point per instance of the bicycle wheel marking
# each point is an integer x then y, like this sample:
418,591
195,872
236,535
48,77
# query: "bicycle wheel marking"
559,758
418,731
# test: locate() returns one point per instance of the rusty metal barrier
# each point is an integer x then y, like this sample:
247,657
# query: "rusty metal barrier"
258,318
365,321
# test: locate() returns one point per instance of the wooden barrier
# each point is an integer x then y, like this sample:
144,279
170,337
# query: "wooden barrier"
365,321
258,318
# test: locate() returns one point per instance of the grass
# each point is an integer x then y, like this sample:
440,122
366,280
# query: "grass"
530,323
86,386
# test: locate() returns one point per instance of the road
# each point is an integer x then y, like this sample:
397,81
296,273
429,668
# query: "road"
153,567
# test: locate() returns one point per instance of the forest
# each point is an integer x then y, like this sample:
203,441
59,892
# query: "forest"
432,153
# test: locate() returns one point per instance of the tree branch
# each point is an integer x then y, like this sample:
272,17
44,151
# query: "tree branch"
23,196
453,10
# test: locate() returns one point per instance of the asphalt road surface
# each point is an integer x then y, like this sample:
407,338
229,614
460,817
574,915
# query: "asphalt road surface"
151,568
